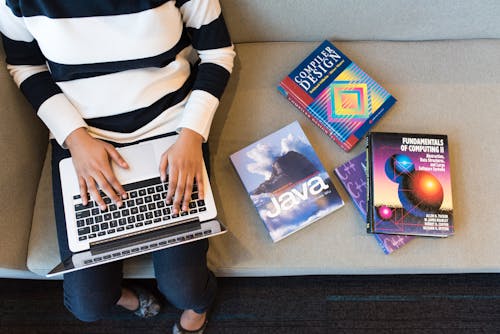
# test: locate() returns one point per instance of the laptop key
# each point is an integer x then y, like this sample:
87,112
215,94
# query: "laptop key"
83,230
82,214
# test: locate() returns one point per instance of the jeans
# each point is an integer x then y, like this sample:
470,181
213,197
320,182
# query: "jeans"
91,294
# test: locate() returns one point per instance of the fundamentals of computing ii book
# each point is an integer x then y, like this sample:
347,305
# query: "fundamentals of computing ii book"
352,175
409,184
336,95
286,181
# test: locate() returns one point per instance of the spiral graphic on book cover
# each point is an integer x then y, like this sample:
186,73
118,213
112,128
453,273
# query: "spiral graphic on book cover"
348,102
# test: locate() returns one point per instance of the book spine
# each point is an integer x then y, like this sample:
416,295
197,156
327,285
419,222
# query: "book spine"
369,189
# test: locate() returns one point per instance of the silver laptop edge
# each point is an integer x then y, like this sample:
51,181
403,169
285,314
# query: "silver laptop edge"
144,159
91,258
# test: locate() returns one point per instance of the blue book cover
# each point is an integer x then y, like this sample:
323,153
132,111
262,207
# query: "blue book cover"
286,181
336,95
352,175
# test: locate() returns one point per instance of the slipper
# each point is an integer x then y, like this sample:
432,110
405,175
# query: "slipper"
177,329
149,306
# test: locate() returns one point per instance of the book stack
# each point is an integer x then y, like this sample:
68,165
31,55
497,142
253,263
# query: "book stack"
352,175
401,184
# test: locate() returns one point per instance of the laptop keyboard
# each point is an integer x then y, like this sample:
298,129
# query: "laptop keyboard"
144,207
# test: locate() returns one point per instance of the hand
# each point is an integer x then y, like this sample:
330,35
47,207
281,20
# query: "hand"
92,158
184,160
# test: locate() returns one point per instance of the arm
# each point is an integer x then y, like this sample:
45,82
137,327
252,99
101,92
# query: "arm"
27,65
210,38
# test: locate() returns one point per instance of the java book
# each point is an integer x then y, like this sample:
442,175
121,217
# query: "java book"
409,184
286,181
336,95
352,175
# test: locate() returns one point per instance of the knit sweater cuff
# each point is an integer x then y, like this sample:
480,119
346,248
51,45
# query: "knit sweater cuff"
61,117
199,112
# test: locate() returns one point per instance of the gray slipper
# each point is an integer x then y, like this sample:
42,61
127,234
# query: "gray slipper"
149,306
177,329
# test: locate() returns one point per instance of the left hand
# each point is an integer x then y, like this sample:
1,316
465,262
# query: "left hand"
184,160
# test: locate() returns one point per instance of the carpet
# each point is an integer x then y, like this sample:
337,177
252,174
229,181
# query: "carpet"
308,304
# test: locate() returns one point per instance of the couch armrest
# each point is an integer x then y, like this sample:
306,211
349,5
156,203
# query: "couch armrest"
23,143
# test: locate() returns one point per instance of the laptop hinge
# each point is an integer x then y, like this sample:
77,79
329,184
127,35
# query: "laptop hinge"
145,235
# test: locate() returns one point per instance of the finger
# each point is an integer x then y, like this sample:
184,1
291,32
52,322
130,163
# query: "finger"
83,191
179,192
116,157
172,185
95,193
117,192
201,185
108,190
187,193
163,167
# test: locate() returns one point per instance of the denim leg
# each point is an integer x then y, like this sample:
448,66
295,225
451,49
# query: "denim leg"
183,276
90,294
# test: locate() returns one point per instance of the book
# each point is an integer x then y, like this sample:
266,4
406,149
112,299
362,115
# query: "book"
352,176
286,181
409,184
336,95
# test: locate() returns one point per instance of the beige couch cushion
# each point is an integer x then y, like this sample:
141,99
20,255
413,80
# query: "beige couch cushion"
442,87
312,20
20,165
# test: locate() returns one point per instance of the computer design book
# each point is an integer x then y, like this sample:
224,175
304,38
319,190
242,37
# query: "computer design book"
336,95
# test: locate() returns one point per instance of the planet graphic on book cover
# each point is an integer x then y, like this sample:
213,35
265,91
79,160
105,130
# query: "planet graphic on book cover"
419,192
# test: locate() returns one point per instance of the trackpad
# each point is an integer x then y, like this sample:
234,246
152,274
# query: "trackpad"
142,163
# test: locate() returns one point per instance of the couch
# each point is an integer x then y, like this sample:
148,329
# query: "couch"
439,58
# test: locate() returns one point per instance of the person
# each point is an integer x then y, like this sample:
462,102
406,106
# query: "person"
106,73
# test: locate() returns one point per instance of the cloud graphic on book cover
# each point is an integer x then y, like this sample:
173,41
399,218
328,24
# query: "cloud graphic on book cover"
286,181
264,156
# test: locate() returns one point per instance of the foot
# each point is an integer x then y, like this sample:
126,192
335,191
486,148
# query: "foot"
142,302
128,300
191,322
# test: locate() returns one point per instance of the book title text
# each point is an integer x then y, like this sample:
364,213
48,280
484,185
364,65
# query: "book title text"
317,68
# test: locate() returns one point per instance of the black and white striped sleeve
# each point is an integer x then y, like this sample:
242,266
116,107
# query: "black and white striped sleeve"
27,66
209,35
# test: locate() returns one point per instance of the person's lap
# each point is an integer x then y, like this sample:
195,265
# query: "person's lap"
90,294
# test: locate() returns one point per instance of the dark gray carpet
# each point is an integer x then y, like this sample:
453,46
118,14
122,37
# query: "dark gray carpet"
312,304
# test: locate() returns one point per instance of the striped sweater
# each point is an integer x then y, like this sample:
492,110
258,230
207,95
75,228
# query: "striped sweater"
123,69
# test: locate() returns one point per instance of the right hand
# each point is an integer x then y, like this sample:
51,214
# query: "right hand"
92,159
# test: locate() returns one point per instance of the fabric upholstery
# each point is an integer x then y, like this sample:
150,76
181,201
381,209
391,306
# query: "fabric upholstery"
315,20
437,92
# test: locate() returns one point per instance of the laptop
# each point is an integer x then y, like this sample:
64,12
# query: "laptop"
143,224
